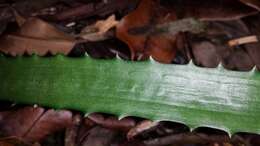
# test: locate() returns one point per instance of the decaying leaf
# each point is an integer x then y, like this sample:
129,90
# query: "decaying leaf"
97,31
14,141
36,36
163,47
112,122
210,10
142,126
252,3
212,49
99,136
253,48
33,124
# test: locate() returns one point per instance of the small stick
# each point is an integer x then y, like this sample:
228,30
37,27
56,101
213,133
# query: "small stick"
243,40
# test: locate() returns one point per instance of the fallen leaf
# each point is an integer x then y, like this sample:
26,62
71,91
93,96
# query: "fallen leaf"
39,37
112,122
72,131
253,48
150,13
13,141
161,47
141,127
252,3
211,10
33,124
97,31
212,48
99,136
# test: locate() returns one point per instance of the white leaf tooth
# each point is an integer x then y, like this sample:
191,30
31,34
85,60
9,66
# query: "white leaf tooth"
86,54
35,106
220,66
254,69
87,114
191,63
122,117
118,58
13,104
229,133
152,60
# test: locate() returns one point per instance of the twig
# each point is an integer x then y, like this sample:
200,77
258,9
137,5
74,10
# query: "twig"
243,40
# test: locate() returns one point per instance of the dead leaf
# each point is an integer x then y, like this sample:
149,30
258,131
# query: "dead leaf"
99,136
212,48
72,131
97,31
112,122
161,47
141,127
33,124
19,18
39,37
150,13
253,49
217,10
13,141
252,3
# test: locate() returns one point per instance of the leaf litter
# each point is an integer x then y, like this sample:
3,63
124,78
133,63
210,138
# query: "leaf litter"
135,30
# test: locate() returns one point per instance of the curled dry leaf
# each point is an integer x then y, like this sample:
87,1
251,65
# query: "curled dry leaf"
112,122
13,141
39,37
33,124
211,10
185,139
253,48
98,136
212,49
252,3
95,8
141,127
133,28
72,131
98,31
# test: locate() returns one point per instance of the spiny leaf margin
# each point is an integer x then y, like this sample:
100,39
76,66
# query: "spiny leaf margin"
197,97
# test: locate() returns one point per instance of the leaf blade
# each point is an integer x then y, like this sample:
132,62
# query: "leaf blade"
195,96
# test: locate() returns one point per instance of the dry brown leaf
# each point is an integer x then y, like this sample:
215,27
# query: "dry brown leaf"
252,3
37,36
33,124
13,141
211,10
150,13
133,28
212,49
141,127
97,31
112,122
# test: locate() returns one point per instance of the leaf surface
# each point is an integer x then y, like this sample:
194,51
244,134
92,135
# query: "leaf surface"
195,96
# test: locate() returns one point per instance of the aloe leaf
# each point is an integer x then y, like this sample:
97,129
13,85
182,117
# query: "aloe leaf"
188,94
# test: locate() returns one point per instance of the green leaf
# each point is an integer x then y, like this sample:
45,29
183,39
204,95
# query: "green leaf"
188,94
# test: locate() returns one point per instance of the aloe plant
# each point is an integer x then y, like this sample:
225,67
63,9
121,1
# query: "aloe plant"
207,97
